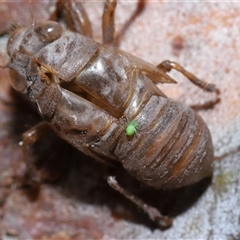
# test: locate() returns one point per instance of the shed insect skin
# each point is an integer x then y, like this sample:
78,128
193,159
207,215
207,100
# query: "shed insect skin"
85,91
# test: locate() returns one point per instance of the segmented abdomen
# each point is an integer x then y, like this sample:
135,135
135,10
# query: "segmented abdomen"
172,146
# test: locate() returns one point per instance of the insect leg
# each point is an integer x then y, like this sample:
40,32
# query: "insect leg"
28,139
108,21
167,66
140,7
74,15
152,212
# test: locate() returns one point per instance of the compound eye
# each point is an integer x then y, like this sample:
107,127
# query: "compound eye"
49,31
17,81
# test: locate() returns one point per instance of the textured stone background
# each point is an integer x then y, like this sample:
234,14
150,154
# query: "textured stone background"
203,37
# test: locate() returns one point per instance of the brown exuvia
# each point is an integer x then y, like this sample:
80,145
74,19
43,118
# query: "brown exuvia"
87,92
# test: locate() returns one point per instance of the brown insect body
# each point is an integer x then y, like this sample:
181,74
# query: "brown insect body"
86,91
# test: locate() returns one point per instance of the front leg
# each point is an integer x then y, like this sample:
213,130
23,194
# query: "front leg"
28,139
74,16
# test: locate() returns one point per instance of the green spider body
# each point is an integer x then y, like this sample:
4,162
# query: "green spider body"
131,128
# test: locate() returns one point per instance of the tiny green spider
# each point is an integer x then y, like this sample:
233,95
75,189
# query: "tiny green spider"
131,128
